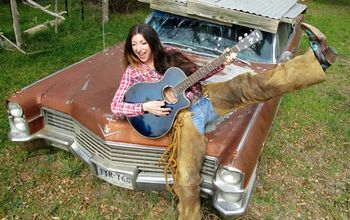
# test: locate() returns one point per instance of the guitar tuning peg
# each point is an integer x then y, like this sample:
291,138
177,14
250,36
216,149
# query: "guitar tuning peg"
240,38
245,34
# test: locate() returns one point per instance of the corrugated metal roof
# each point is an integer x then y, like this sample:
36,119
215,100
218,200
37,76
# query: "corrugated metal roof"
275,9
295,11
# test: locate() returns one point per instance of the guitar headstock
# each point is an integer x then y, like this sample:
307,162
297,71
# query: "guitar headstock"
248,40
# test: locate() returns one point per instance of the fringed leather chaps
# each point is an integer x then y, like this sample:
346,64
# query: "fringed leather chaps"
190,157
248,88
245,89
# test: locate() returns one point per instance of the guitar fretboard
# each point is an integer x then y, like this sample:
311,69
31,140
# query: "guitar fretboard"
201,73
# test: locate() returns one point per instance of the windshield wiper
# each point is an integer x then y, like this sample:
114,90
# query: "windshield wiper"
179,45
192,48
218,52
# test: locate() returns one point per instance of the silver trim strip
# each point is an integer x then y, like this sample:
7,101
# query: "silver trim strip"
250,125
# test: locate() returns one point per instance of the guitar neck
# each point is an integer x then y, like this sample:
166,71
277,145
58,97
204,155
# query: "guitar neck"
202,72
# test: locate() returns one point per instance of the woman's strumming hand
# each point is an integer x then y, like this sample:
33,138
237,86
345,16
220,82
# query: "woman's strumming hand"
156,108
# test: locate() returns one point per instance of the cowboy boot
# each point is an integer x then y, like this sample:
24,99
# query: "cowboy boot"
189,161
325,55
248,88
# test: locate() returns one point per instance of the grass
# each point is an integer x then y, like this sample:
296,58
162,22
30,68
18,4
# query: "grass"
305,163
304,170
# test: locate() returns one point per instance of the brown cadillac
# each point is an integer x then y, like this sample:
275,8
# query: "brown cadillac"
70,109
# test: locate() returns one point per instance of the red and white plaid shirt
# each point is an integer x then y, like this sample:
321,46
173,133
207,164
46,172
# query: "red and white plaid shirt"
144,73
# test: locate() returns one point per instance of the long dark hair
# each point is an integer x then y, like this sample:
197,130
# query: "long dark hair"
162,59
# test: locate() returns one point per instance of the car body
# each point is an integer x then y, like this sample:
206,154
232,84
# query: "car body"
70,109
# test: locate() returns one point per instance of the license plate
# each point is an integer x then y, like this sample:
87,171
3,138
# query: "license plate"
114,177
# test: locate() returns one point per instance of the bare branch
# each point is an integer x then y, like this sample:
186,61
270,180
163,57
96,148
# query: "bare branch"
57,15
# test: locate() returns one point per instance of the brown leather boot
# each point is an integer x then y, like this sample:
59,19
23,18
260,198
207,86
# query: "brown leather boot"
318,43
248,88
189,161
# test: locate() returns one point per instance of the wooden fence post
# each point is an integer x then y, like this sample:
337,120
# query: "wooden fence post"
82,9
15,22
66,4
56,21
105,11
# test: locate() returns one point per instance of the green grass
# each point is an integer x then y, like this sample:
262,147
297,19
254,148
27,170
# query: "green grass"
306,160
304,170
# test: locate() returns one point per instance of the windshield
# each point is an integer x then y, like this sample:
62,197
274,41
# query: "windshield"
208,38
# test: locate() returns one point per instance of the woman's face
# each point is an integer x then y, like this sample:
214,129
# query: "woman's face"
141,48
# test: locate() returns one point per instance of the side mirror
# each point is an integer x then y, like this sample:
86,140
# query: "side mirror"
285,56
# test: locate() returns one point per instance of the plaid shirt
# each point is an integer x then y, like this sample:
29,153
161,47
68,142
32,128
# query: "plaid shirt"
144,73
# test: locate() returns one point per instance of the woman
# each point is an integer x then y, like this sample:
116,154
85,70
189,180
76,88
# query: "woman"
142,48
147,60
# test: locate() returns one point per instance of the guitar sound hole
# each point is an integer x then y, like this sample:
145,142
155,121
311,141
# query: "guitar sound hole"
169,95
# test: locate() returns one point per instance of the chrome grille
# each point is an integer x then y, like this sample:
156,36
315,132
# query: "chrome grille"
59,121
91,144
144,158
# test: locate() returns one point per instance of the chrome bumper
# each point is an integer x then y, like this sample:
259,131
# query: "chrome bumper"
236,209
141,180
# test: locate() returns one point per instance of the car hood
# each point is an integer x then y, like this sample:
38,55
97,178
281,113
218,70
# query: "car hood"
85,90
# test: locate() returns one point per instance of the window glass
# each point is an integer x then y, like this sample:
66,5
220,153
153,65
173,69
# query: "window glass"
283,33
208,38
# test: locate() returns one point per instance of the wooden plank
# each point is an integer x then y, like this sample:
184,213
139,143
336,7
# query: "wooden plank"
11,43
171,6
42,26
178,8
210,11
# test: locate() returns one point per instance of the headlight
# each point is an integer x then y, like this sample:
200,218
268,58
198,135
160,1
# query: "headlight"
20,124
14,109
230,176
231,197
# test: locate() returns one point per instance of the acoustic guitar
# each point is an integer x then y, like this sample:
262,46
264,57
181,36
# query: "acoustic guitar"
171,88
